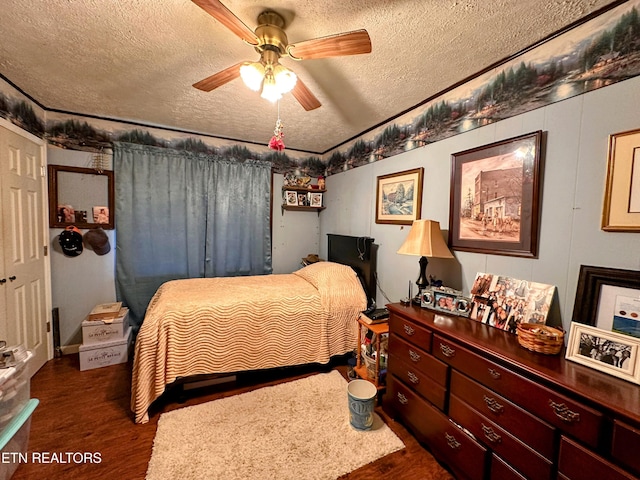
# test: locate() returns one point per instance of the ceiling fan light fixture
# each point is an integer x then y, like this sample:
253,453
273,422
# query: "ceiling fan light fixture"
270,90
252,75
285,79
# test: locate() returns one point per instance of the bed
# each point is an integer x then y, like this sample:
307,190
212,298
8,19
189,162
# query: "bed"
225,325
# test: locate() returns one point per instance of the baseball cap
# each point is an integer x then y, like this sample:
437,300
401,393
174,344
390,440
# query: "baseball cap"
70,240
97,239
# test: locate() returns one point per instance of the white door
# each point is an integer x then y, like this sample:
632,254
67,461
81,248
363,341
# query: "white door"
23,283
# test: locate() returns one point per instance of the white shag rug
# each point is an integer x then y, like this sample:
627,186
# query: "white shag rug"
296,430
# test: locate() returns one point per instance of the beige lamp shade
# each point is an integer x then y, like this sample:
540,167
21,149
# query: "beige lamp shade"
425,239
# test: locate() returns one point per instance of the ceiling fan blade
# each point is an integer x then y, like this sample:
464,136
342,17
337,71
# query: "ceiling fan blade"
348,43
304,96
218,79
226,17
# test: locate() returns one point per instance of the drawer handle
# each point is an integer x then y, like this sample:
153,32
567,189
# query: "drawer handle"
494,373
447,351
413,378
563,412
492,405
451,441
490,434
414,356
408,330
402,399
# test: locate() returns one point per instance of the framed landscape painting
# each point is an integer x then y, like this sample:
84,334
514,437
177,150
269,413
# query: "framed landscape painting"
399,197
495,197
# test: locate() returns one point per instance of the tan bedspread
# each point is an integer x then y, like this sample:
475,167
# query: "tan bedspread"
223,325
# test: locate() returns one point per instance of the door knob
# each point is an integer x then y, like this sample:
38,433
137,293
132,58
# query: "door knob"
12,278
3,280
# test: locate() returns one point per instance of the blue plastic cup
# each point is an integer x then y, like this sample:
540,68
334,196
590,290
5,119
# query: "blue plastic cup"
362,398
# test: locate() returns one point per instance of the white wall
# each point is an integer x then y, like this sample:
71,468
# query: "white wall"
572,198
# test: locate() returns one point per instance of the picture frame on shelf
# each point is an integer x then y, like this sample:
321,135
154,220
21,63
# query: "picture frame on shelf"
315,199
303,200
399,197
495,197
291,198
621,209
608,352
609,299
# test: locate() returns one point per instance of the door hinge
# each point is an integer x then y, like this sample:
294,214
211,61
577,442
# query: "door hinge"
46,250
43,170
48,327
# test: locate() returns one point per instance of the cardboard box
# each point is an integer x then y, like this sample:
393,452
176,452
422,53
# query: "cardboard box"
105,310
103,354
100,331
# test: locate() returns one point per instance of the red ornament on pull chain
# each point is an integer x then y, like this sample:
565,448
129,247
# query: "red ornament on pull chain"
276,142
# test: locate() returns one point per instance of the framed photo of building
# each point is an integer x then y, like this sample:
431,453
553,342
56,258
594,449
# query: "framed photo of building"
495,197
608,352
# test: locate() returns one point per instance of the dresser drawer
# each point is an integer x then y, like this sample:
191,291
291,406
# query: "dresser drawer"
523,458
416,334
568,415
463,455
424,385
539,435
625,445
418,359
500,470
577,463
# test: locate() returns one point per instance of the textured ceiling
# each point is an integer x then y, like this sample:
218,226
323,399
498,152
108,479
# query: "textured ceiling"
136,60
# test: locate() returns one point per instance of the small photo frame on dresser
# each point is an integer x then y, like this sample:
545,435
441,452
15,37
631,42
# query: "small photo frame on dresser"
609,352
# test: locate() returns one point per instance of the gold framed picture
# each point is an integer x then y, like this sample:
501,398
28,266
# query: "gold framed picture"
621,212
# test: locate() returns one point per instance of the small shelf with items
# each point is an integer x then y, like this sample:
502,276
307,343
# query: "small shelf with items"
372,351
303,199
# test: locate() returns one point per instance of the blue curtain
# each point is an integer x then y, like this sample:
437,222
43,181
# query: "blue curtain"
183,215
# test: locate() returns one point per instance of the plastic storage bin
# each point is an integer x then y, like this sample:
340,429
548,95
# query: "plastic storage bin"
14,391
14,440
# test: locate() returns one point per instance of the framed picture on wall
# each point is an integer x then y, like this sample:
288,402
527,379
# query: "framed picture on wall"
495,197
399,197
621,211
609,299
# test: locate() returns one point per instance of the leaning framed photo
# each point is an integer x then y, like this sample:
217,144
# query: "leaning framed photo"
495,197
609,299
609,352
399,197
315,199
621,211
291,198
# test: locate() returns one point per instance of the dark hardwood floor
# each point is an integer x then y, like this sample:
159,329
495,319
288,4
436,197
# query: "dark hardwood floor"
88,412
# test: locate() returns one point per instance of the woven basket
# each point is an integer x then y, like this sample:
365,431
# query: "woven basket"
540,338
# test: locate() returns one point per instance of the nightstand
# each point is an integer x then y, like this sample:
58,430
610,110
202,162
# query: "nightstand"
379,329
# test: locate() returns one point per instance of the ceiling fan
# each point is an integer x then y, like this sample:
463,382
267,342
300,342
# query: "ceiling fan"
267,75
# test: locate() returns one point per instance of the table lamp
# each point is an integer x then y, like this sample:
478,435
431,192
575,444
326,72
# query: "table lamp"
425,239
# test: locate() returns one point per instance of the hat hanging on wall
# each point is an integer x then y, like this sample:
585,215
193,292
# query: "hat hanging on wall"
70,240
98,240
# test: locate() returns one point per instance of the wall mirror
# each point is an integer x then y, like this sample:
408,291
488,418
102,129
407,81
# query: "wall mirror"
83,197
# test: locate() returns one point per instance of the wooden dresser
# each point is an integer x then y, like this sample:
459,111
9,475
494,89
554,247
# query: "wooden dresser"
488,408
